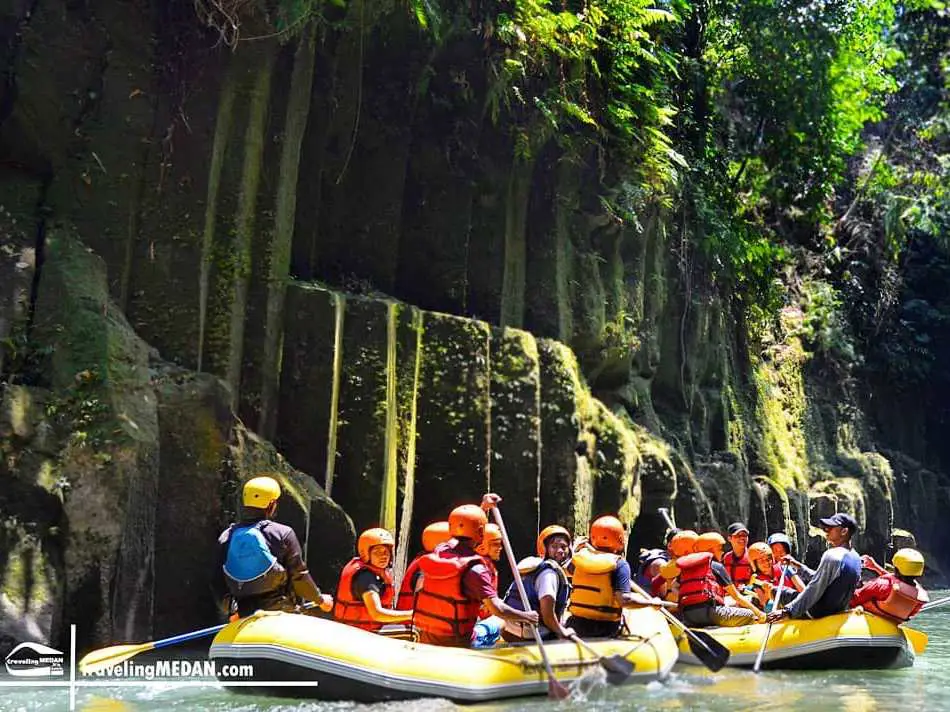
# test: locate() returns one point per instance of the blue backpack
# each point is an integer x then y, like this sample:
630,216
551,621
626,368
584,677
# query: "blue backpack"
249,561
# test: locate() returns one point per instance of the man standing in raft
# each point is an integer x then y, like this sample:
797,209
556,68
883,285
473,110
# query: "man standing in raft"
897,597
601,582
364,596
836,577
455,583
260,564
737,561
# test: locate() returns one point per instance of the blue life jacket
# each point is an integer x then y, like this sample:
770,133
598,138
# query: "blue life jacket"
837,596
250,568
529,577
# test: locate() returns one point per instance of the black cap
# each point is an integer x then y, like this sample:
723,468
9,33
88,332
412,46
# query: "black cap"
737,527
840,519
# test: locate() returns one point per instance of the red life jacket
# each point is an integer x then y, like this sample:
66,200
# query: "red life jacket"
440,607
698,583
902,603
484,611
352,611
740,569
407,589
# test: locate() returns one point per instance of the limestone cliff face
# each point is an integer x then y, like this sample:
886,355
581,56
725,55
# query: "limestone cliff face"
326,235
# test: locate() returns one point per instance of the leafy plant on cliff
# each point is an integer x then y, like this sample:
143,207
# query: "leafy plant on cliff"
280,18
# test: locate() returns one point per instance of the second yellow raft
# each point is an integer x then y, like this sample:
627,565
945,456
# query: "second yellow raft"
854,639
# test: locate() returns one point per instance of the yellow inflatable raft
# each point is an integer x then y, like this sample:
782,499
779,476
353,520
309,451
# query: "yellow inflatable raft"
847,640
340,662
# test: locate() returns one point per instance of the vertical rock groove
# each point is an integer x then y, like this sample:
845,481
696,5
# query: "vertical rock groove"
298,114
340,309
222,131
247,211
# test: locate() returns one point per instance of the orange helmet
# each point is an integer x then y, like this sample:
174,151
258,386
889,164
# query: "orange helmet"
435,534
682,543
710,542
547,533
373,537
759,550
468,521
492,534
607,533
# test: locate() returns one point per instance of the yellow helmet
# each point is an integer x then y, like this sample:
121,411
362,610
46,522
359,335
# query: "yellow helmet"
259,492
759,550
492,534
373,537
908,562
547,533
709,542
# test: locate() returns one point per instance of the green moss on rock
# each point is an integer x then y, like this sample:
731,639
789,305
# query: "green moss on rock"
452,416
516,432
565,473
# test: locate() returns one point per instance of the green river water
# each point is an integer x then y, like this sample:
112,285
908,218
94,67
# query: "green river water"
925,686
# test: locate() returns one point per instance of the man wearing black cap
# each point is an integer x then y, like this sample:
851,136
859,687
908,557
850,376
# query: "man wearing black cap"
836,577
737,561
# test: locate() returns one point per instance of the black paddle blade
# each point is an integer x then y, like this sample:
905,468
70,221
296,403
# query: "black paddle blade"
710,651
618,669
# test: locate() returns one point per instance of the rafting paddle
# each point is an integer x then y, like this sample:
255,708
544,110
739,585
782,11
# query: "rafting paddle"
711,653
935,604
617,667
768,631
105,658
556,690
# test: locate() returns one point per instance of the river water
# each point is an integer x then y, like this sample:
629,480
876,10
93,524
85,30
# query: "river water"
925,686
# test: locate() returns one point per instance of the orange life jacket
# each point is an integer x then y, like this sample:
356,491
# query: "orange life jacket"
698,583
740,569
484,611
440,607
407,589
352,611
901,604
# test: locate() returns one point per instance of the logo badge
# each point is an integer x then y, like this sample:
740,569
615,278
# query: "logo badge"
34,660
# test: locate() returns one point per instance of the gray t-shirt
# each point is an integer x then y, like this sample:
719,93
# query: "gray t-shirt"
545,584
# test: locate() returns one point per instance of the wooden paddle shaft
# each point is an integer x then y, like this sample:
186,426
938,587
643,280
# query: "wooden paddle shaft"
936,604
665,513
768,630
512,562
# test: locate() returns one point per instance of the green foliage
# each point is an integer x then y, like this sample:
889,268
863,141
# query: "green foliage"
595,77
795,86
824,328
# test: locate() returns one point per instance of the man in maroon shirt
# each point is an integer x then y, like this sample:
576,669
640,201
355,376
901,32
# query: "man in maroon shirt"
456,583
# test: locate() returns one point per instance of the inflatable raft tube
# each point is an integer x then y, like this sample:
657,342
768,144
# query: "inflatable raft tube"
341,662
852,640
